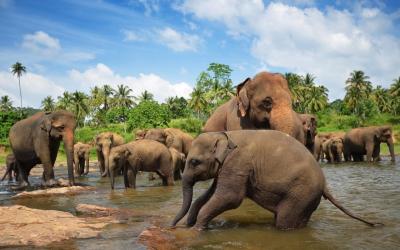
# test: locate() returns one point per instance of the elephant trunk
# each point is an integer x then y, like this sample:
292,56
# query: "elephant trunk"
69,151
187,189
390,144
282,119
106,155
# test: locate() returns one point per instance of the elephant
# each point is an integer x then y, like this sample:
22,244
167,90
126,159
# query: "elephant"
11,168
366,141
81,158
172,138
140,134
263,102
318,151
36,140
178,162
333,149
329,135
253,164
141,155
310,130
104,142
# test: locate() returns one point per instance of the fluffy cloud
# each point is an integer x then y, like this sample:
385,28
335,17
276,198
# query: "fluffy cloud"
329,44
130,35
34,88
178,41
102,74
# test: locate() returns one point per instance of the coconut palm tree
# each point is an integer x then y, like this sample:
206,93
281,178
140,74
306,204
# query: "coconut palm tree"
18,69
48,104
79,105
197,102
308,80
107,92
382,98
5,103
358,87
122,96
145,96
317,99
395,87
64,101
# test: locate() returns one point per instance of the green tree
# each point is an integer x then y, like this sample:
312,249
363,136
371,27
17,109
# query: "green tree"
149,114
308,80
79,106
64,101
382,99
122,96
395,94
197,101
145,96
48,104
316,99
358,88
5,103
18,69
178,107
107,92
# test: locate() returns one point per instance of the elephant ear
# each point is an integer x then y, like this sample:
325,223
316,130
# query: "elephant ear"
242,98
222,148
46,124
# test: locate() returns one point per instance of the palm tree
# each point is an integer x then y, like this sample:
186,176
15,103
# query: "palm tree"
145,96
18,69
357,88
5,103
64,101
317,99
122,96
198,102
48,104
381,98
107,92
308,80
395,87
79,105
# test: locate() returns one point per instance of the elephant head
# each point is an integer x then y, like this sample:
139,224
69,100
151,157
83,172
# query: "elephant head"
337,146
266,101
104,142
205,158
309,127
385,134
140,134
60,125
116,160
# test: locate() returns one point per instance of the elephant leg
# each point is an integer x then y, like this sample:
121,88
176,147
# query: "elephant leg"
76,163
86,164
100,162
131,177
198,204
226,197
370,149
376,154
23,175
48,172
81,166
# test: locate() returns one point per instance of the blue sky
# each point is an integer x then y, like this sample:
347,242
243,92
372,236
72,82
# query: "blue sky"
162,46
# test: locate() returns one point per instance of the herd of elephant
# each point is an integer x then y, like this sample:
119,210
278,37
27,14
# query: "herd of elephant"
255,145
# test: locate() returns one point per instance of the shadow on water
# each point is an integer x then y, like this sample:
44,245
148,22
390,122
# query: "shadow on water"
368,189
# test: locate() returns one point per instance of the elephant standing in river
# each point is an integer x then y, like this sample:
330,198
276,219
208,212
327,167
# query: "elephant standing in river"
178,162
104,142
81,158
36,140
263,102
171,137
11,168
141,155
333,149
269,167
310,130
366,141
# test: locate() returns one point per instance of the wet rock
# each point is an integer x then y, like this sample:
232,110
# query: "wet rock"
53,191
157,238
21,225
120,214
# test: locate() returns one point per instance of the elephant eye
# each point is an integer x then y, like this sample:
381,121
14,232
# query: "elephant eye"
267,103
194,162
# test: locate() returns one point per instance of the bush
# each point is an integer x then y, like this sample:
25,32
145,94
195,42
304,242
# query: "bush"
190,125
7,119
149,114
87,134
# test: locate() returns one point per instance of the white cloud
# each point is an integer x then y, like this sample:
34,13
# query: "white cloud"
130,35
150,6
329,44
41,42
178,41
102,74
34,88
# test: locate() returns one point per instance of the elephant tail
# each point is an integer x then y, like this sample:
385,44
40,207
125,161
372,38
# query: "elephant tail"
329,197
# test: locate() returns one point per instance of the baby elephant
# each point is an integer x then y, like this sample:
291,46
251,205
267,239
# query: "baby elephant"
81,158
141,155
333,149
253,164
11,167
178,162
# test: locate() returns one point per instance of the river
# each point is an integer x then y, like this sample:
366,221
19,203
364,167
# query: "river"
371,190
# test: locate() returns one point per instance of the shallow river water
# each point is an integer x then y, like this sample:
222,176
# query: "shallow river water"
371,190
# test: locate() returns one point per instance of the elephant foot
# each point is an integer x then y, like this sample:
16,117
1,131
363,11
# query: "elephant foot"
104,174
49,183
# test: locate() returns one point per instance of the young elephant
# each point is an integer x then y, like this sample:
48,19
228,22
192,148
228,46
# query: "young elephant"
178,162
81,158
141,155
318,150
366,141
11,168
333,149
310,130
104,142
253,164
171,137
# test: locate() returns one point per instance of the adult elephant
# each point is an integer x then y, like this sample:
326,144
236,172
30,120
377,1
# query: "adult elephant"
366,141
104,142
263,102
310,130
81,158
333,149
253,164
36,140
141,155
171,137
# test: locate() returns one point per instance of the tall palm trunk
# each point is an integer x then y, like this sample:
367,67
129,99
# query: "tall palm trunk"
20,94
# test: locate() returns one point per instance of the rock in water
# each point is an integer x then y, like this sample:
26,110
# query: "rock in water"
53,191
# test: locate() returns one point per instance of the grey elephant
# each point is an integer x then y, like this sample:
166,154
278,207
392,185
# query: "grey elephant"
141,155
178,162
333,149
81,158
171,137
36,140
253,164
263,102
366,141
11,168
104,142
310,130
318,150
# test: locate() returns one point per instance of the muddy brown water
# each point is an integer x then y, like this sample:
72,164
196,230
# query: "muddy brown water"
371,190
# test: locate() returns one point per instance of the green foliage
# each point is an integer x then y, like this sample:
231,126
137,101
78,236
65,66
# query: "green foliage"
191,125
7,119
87,134
117,114
149,114
178,107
